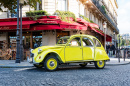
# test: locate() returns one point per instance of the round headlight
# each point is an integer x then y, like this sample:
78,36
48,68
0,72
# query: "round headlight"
39,50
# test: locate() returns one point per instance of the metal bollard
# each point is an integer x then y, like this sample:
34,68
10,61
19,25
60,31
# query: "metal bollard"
118,55
124,54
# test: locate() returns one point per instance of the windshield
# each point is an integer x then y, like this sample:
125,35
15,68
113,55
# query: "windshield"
63,40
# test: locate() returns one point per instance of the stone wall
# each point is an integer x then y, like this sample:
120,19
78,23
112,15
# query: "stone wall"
48,38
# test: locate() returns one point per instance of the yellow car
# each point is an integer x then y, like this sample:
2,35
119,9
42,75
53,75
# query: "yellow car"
80,49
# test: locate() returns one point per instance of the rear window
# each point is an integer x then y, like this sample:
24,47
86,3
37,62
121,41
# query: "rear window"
97,44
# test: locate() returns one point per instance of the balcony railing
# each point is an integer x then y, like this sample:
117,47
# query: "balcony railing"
96,2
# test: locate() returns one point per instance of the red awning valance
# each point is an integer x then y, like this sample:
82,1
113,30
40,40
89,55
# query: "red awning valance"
48,21
63,24
82,21
108,38
93,25
72,25
45,27
13,25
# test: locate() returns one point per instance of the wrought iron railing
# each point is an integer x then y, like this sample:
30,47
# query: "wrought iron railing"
96,2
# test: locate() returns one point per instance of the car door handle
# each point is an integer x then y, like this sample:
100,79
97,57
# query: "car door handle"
81,48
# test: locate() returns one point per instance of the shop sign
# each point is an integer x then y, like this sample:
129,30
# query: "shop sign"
4,28
14,27
49,22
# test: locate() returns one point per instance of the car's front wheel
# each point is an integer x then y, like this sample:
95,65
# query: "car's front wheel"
51,63
38,66
100,64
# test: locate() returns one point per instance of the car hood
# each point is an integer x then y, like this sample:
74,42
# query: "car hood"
46,47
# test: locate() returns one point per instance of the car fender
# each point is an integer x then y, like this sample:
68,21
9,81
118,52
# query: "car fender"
42,56
101,55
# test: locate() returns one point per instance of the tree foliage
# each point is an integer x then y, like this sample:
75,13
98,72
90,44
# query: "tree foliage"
12,4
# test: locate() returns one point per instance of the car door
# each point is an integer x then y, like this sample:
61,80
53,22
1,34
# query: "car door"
88,48
100,52
73,50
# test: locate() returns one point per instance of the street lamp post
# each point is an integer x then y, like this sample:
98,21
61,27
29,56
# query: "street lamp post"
114,38
119,50
105,26
18,36
114,41
21,2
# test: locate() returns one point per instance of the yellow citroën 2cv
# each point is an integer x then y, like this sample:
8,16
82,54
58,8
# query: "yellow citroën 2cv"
80,49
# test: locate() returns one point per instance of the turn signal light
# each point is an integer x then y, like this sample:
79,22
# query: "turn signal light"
39,57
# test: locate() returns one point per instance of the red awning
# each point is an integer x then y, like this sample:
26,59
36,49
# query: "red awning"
108,38
45,27
93,25
50,17
63,24
82,21
48,21
73,25
13,25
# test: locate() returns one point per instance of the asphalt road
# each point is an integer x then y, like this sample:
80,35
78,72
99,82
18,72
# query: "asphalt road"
68,76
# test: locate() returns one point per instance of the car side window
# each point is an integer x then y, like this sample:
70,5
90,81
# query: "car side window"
96,42
87,42
75,42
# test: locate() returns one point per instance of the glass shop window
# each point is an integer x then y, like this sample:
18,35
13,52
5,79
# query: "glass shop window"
62,5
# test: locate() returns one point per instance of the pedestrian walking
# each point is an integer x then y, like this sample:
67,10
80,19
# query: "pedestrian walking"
107,48
113,49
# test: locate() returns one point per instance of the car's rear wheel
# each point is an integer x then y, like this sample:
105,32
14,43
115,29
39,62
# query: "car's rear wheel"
100,64
51,63
83,65
38,66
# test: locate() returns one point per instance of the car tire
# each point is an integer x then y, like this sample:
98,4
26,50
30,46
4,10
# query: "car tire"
38,66
83,65
51,63
100,64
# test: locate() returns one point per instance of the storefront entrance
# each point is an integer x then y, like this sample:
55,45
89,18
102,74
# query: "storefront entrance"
30,40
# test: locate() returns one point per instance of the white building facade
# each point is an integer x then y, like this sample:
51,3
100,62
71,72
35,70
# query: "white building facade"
98,11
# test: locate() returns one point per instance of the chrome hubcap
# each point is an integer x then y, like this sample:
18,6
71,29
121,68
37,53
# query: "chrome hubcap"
51,63
100,62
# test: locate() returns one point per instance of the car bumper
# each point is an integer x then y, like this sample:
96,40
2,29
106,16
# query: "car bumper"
108,60
31,59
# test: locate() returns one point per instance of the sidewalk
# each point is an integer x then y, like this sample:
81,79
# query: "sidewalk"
25,64
114,61
12,64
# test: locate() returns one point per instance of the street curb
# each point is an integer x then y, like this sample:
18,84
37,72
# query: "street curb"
16,66
4,66
117,64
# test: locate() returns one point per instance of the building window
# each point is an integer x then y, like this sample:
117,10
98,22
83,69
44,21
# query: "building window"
62,5
39,5
90,16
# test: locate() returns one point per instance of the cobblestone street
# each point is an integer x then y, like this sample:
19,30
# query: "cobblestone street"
67,76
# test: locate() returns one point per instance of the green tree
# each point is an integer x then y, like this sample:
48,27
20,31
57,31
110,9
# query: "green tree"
121,40
12,4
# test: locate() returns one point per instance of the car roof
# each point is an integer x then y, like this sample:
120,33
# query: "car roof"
83,35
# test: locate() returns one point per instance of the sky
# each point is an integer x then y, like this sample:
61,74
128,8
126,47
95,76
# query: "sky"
123,19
